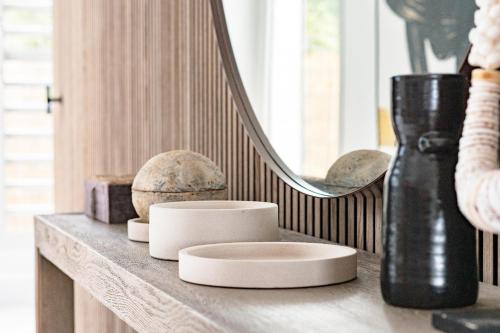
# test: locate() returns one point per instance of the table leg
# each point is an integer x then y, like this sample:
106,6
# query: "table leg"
54,298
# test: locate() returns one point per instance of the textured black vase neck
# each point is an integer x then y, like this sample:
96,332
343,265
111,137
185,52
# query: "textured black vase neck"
426,108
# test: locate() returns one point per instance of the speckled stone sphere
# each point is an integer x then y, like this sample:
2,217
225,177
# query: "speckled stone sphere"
177,175
358,168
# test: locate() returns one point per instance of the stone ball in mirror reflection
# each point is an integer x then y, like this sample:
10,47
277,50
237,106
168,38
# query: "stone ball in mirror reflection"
178,175
358,168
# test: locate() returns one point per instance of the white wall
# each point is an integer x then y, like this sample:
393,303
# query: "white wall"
267,40
358,45
286,81
247,25
393,54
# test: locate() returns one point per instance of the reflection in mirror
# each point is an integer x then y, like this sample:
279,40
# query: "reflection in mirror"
317,72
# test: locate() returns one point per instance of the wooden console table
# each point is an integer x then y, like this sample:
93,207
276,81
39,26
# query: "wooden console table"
147,294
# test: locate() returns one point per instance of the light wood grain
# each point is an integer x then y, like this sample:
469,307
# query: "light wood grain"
148,296
295,210
342,214
334,224
377,194
142,305
360,221
54,298
325,219
302,213
370,225
351,221
488,250
92,316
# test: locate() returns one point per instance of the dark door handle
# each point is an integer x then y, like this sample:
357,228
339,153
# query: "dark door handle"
51,100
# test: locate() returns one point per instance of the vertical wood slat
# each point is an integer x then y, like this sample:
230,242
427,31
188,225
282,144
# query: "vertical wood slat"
224,117
257,177
351,220
295,210
302,213
234,152
488,267
325,219
246,171
281,203
377,193
309,215
268,183
210,112
230,143
288,207
274,188
370,221
262,180
360,221
251,174
334,222
317,217
203,81
342,220
241,176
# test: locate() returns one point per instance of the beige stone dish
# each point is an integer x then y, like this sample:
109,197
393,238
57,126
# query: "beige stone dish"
267,265
358,168
138,230
177,225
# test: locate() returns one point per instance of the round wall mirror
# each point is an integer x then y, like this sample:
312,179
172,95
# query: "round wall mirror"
317,76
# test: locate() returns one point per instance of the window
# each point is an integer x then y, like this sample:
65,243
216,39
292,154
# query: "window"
27,151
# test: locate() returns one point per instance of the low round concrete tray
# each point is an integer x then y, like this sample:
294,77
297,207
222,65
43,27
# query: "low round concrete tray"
267,264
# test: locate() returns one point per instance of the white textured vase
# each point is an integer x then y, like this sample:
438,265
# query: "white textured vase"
177,225
478,176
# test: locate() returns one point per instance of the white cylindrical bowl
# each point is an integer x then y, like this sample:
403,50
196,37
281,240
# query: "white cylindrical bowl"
177,225
138,230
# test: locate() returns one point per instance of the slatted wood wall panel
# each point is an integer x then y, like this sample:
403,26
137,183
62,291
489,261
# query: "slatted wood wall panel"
69,132
140,77
124,86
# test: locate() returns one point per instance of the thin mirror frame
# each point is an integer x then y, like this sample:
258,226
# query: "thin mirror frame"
250,121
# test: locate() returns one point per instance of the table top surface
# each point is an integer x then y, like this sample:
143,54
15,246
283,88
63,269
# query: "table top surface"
148,295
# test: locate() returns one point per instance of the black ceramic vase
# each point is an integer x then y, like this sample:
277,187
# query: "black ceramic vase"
429,256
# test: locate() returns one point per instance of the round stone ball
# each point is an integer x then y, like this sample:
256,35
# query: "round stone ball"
178,175
358,168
